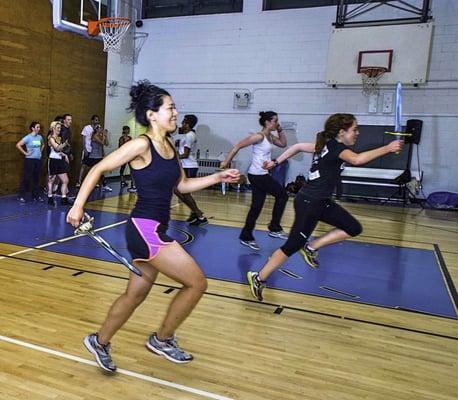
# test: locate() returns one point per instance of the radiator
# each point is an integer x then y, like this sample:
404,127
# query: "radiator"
208,166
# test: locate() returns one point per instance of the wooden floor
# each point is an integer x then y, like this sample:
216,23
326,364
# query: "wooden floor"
316,348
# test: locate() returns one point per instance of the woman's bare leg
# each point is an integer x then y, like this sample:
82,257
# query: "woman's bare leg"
121,310
333,236
178,265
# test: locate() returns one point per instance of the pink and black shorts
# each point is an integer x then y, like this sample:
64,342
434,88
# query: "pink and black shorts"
145,237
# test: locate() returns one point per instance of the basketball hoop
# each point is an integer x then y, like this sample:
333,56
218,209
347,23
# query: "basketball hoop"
112,30
370,77
131,55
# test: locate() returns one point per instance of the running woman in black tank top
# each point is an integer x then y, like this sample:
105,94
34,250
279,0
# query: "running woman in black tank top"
313,203
157,171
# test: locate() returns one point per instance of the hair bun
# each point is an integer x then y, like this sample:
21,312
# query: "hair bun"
138,91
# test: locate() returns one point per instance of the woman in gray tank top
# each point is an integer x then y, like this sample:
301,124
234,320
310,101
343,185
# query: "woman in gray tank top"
99,140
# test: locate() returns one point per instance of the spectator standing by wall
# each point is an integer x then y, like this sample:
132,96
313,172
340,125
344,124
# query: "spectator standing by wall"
87,132
34,146
98,141
125,137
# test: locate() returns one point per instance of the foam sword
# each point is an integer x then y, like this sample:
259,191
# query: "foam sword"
398,115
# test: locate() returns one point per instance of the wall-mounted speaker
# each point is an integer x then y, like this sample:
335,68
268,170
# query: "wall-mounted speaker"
414,127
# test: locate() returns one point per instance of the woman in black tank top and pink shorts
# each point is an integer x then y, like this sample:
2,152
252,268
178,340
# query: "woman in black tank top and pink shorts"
156,171
313,203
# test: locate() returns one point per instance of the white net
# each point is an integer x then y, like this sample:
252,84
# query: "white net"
370,77
130,55
112,31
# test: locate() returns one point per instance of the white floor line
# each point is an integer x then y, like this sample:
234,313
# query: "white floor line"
147,378
42,246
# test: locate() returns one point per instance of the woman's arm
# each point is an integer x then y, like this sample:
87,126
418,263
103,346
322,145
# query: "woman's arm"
290,152
96,138
248,141
366,156
189,185
105,137
19,147
128,152
279,141
56,146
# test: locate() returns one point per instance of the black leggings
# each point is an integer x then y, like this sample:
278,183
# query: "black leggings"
32,168
122,169
307,214
261,186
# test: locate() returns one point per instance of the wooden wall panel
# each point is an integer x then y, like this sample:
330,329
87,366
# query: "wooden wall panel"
43,73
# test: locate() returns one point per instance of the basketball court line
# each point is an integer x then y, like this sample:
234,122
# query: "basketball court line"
264,303
66,239
242,260
121,371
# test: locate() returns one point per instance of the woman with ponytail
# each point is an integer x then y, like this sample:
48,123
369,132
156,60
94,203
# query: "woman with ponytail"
156,170
261,181
313,203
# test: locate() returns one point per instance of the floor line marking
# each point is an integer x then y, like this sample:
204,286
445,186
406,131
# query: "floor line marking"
305,310
126,372
42,246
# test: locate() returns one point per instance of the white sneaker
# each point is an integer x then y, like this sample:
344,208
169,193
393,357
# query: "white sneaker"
251,244
107,189
278,235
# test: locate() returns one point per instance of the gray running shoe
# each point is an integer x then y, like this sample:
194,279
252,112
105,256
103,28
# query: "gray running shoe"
169,349
310,257
256,285
278,235
251,244
101,352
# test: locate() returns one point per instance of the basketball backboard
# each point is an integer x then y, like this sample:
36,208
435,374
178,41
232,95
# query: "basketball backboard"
402,49
73,15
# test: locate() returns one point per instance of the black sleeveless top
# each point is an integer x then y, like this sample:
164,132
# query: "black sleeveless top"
155,184
325,171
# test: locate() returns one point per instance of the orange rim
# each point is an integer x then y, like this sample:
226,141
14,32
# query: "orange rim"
373,71
93,28
114,22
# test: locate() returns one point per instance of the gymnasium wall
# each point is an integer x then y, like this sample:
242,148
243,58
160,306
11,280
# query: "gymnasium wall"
280,57
43,73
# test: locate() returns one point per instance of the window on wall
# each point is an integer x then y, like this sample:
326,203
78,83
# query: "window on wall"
284,4
177,8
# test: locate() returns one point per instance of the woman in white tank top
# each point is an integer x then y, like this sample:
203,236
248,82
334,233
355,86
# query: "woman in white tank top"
261,181
57,163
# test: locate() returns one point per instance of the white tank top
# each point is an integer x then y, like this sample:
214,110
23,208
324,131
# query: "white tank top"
54,154
262,152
